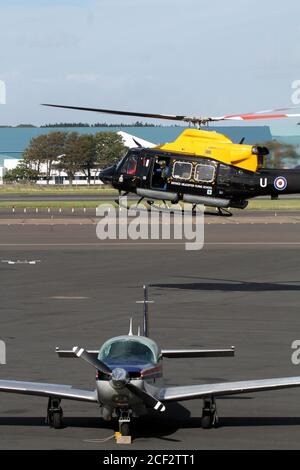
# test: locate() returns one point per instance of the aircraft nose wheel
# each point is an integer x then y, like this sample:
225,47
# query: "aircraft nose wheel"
54,414
124,428
124,423
209,414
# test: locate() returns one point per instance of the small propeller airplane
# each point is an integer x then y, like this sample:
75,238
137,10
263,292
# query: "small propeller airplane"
129,380
200,166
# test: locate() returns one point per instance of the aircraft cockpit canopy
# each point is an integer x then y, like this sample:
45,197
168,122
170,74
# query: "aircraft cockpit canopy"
129,349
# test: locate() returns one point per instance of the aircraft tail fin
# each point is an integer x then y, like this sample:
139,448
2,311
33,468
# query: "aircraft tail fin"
145,302
145,320
130,328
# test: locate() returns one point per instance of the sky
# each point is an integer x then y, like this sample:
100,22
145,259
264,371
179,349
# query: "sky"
165,56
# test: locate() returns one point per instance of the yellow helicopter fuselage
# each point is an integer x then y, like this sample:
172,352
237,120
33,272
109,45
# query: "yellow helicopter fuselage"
213,145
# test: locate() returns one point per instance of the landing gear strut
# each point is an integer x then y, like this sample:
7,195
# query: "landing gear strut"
224,212
124,422
209,413
54,413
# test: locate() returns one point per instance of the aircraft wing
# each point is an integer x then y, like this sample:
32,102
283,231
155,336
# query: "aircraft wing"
170,353
183,353
48,390
190,392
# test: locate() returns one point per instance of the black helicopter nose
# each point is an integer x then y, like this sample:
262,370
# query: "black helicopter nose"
107,175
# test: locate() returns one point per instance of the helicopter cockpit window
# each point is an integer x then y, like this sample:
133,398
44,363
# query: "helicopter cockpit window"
204,173
182,170
130,165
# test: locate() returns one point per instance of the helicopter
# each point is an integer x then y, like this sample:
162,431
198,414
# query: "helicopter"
200,166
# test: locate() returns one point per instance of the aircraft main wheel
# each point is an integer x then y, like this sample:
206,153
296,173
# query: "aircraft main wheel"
57,420
206,421
125,429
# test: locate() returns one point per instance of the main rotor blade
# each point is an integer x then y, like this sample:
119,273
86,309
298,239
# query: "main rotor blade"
265,114
92,360
149,400
121,113
265,111
258,116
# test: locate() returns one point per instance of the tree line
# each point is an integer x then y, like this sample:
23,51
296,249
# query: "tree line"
70,152
282,155
99,124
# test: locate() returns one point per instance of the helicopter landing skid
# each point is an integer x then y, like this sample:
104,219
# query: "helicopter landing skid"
133,207
221,211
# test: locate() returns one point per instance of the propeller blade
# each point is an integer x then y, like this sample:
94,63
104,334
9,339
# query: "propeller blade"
148,399
93,361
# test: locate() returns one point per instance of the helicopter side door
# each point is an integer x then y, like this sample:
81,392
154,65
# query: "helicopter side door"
144,170
161,171
134,171
192,176
127,171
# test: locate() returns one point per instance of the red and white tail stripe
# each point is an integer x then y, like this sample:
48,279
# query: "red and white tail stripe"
265,114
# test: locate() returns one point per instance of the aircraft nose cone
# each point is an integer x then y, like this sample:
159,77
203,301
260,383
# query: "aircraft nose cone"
107,174
119,377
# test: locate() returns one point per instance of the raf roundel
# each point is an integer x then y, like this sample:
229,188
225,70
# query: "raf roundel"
280,183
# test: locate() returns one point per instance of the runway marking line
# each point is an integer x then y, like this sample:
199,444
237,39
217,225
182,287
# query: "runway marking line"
65,297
